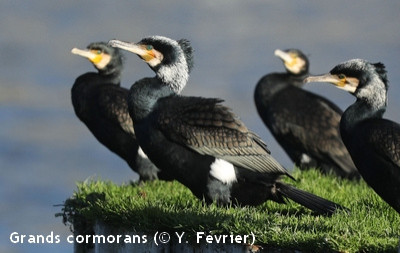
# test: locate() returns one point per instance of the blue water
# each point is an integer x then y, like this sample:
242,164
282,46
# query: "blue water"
44,149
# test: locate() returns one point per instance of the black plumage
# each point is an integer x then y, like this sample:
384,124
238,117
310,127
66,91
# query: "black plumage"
209,149
101,104
306,125
373,142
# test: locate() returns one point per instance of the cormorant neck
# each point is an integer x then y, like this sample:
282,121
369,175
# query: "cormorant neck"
273,83
112,75
359,111
143,96
371,103
175,76
297,79
373,93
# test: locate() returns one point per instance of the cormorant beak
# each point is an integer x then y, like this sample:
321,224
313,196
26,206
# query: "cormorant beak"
128,46
346,83
283,55
99,59
84,53
148,54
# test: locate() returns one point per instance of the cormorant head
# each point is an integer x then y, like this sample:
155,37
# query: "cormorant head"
356,76
171,60
107,60
294,60
366,81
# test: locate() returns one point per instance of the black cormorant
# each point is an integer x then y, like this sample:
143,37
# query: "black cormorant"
101,104
200,142
304,124
373,142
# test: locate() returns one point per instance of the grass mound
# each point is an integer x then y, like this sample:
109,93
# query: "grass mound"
372,226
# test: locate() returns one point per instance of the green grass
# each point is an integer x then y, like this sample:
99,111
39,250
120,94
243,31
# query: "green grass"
372,225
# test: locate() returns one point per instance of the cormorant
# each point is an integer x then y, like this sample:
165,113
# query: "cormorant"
201,143
101,104
373,142
304,124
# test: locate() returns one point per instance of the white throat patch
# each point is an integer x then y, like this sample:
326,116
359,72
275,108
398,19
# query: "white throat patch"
154,62
223,171
297,66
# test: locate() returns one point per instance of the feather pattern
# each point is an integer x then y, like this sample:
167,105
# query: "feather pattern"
114,107
209,128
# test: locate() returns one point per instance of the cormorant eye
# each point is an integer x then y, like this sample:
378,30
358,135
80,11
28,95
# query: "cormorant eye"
149,47
342,76
99,51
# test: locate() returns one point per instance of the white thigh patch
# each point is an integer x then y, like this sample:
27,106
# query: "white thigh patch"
305,158
223,171
141,153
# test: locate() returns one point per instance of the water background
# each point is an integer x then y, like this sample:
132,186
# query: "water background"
45,149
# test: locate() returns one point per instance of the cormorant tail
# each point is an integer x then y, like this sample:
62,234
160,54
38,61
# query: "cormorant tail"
309,200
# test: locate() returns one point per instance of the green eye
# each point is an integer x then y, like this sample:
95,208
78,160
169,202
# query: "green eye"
98,51
342,76
149,47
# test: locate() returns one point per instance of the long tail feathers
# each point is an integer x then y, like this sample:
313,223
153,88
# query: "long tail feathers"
309,200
